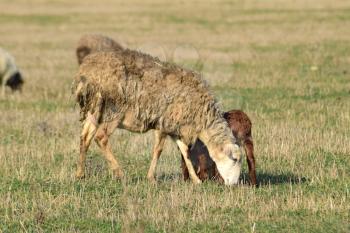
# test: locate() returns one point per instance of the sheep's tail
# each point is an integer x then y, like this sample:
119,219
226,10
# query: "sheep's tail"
88,98
79,94
76,91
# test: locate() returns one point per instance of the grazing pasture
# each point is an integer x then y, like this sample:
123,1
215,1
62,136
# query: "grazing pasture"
285,63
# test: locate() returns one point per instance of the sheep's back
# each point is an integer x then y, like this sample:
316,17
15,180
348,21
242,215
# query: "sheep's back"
163,95
98,43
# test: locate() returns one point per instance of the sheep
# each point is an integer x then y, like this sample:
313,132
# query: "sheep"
9,74
240,125
134,91
92,43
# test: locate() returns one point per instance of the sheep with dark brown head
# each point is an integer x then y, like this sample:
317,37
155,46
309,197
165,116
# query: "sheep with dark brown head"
137,92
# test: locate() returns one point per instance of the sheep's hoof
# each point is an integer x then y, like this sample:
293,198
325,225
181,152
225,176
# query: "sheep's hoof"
118,174
197,181
151,179
80,175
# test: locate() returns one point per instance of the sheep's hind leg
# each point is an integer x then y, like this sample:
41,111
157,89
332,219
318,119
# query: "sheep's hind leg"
88,132
101,138
184,150
157,150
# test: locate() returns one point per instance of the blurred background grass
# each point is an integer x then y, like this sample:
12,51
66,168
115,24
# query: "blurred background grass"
285,63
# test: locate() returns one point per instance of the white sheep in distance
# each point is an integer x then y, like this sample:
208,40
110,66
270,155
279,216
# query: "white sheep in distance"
9,73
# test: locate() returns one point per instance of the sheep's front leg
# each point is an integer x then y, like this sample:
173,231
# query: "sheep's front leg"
101,138
249,150
88,132
157,150
184,150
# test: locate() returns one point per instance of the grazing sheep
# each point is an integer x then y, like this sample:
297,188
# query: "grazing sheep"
9,73
240,125
92,43
134,91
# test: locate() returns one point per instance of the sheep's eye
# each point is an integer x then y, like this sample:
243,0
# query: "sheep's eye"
234,159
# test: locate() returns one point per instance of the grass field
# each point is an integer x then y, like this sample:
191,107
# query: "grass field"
285,63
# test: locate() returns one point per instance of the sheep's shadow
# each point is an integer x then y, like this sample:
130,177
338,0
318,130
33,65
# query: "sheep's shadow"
264,179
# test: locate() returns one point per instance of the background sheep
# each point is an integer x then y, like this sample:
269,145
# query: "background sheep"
92,43
9,73
240,125
134,91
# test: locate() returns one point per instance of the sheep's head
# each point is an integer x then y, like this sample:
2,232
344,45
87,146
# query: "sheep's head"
228,160
230,166
82,52
15,82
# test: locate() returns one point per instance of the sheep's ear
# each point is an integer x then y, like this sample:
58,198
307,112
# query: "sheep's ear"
82,52
82,79
234,151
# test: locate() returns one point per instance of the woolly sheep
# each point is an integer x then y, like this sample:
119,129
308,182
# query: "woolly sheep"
134,91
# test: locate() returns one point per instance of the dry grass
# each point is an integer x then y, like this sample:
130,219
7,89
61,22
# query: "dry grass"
286,63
